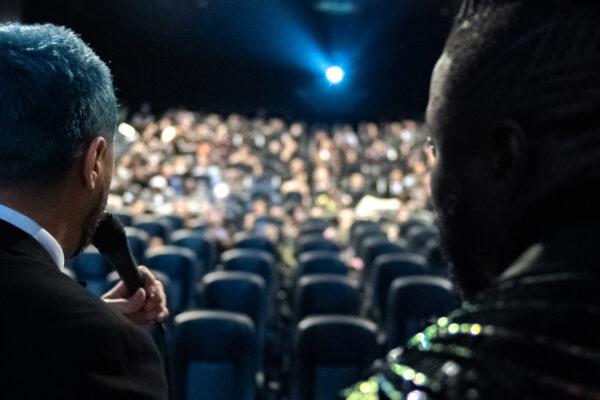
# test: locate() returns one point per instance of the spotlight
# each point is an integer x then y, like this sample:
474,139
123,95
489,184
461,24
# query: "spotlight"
335,74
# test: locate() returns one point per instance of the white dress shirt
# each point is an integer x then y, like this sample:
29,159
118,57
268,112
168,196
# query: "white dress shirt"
32,228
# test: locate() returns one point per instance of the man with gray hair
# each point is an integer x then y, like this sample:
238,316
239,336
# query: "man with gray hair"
58,114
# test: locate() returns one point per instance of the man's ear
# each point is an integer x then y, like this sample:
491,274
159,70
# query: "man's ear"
92,161
511,156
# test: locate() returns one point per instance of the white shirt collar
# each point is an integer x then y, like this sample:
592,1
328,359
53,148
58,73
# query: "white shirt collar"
32,228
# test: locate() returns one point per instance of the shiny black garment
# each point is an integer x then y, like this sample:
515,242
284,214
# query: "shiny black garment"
533,335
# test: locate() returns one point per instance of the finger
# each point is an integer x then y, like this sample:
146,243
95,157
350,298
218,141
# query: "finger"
136,301
115,292
127,305
148,278
150,305
151,316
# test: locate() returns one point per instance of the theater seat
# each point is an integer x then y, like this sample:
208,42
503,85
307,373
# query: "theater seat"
178,264
358,224
365,231
330,353
154,227
175,222
250,260
311,231
214,356
203,249
373,248
412,301
92,268
326,294
236,291
126,219
386,268
252,241
314,242
321,262
138,242
418,236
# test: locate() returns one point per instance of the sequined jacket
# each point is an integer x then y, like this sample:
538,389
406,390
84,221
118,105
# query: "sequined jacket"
533,335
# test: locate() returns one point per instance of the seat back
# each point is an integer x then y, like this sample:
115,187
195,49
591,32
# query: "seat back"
330,352
418,236
321,262
237,291
316,242
203,248
214,356
138,243
90,266
250,260
364,231
388,267
179,265
373,248
412,301
175,222
252,241
154,228
126,219
326,294
359,223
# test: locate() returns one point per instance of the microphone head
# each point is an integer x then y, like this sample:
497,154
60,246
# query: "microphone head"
110,233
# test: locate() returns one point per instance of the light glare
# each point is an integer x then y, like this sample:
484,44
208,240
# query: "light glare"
335,74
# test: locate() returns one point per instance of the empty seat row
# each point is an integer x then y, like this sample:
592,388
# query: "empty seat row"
215,355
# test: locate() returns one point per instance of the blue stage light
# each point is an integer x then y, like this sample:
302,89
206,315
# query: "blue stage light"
335,74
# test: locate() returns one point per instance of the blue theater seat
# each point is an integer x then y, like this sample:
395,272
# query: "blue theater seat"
236,291
386,269
175,222
214,356
138,242
412,301
126,219
154,227
363,231
326,294
330,353
203,248
321,262
252,241
418,237
314,242
251,260
91,267
179,265
373,248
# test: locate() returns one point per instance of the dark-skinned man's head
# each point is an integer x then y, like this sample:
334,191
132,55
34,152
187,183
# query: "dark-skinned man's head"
514,115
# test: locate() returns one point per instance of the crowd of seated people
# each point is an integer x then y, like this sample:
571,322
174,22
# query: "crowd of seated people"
293,256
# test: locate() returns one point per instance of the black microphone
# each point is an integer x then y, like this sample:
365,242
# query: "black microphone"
111,241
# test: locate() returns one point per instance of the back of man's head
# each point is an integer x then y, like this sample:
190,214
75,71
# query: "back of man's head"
514,112
534,61
56,96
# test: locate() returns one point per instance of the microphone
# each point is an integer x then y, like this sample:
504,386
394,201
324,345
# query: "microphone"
111,241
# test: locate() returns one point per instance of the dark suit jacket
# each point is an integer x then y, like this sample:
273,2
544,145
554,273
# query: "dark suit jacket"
59,342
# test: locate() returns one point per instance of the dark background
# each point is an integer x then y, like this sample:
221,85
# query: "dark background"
243,55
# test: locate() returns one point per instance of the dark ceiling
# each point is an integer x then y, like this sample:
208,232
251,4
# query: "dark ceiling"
241,55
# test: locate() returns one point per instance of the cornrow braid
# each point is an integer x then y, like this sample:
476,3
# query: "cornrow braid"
535,60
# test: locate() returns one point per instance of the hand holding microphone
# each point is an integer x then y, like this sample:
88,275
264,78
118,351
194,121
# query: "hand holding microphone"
139,295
